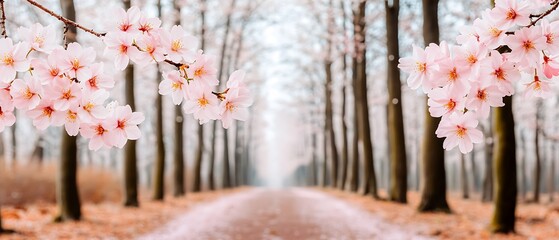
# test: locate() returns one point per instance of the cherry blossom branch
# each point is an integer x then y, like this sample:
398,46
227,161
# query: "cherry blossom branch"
63,19
68,22
3,19
541,16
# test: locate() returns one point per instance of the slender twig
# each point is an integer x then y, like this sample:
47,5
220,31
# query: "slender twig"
541,16
67,22
63,19
3,19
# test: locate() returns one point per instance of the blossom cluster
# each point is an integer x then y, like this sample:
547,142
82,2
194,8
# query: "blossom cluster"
511,46
58,86
135,37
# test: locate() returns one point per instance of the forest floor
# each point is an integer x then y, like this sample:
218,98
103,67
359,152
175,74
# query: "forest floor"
469,218
254,213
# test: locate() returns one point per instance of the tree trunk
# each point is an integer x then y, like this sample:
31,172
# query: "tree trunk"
356,160
523,179
487,194
130,158
538,167
159,171
370,183
504,161
14,139
211,167
237,158
475,177
396,136
433,181
68,198
197,187
314,160
551,177
178,154
226,166
464,177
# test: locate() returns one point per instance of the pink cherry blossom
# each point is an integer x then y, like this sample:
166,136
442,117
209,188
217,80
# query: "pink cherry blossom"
119,46
470,54
148,25
12,59
537,86
126,125
501,73
419,66
76,61
99,79
237,100
490,33
550,66
174,84
441,102
45,115
179,45
509,13
72,123
203,104
7,118
150,50
551,33
47,71
42,39
526,44
100,134
91,106
460,130
26,93
203,70
484,95
451,73
64,93
125,21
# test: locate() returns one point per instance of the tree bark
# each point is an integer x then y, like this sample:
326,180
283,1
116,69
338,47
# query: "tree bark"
433,181
178,154
538,167
464,177
475,177
197,187
487,193
130,158
551,177
396,136
523,179
370,183
504,160
159,171
68,198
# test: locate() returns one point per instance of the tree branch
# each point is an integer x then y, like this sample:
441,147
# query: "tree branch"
541,16
3,19
63,19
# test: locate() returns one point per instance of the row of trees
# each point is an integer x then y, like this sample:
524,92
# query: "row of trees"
342,166
232,54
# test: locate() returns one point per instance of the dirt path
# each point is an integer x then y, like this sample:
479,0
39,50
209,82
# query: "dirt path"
279,214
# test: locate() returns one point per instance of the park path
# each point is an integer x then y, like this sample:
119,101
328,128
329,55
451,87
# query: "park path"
273,214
